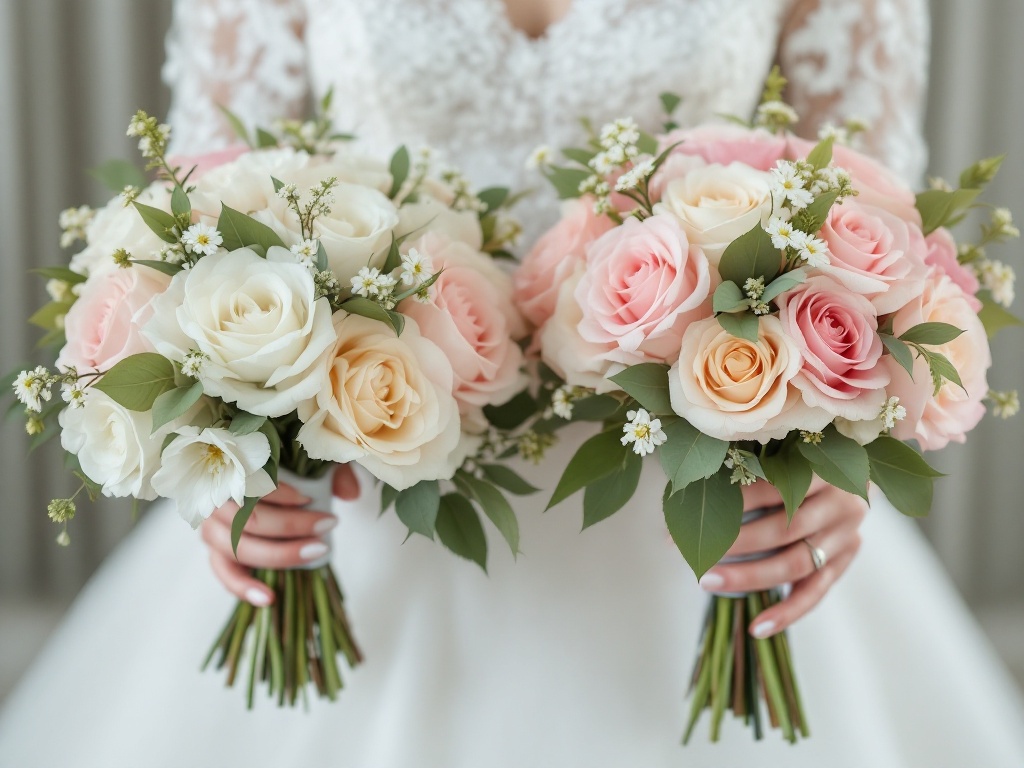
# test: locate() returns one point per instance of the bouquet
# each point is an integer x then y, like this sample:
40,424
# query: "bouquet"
751,306
285,306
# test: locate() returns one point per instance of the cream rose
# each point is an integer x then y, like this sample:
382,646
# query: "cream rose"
118,227
735,389
718,203
385,402
258,322
433,215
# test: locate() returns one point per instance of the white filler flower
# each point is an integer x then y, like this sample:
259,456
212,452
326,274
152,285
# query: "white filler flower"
643,432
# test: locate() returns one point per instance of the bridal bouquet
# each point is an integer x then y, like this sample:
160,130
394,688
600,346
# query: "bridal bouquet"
750,306
285,307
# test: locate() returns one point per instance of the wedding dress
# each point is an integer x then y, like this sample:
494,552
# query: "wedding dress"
577,655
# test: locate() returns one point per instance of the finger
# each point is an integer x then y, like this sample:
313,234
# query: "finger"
790,565
345,484
257,552
762,495
804,597
237,580
275,522
286,496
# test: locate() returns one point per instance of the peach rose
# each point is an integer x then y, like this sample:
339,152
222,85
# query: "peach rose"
837,334
472,319
935,420
554,258
644,283
105,325
875,253
942,254
735,389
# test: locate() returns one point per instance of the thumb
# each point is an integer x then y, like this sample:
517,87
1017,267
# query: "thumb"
345,484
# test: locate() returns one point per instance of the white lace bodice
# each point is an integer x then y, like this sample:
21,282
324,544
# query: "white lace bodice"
457,76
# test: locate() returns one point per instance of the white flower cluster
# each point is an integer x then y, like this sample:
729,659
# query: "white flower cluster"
998,278
775,115
635,176
812,250
892,412
370,283
305,252
754,289
1002,224
192,363
643,432
201,239
417,267
563,398
32,388
152,136
462,193
1005,405
73,394
741,472
540,158
73,222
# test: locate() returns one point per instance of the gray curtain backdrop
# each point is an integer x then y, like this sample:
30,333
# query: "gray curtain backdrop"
73,71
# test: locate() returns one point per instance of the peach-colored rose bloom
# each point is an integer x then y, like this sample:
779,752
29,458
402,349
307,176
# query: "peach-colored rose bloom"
942,253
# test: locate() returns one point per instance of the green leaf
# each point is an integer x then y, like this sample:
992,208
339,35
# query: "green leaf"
981,173
669,102
241,231
270,432
174,403
137,381
704,519
751,255
493,198
581,156
903,475
900,352
598,457
240,519
647,383
264,139
180,205
161,222
418,506
942,368
236,125
744,326
610,494
931,334
394,258
160,266
993,316
459,528
791,475
417,288
938,208
46,316
496,507
647,144
512,414
244,423
357,305
399,170
387,497
118,174
566,180
813,217
821,155
508,479
783,283
60,273
729,297
839,461
688,454
594,408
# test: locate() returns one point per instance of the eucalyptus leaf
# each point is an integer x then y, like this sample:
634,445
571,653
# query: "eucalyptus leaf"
264,139
240,231
137,381
742,326
236,125
161,222
647,144
669,102
647,383
839,461
942,368
174,403
513,413
399,168
594,408
494,504
784,282
417,507
608,495
598,457
938,208
387,497
931,334
993,316
60,273
688,454
900,352
180,205
577,155
507,478
458,527
160,266
729,297
814,216
493,198
704,520
394,257
239,520
244,423
118,174
357,305
903,475
566,180
46,316
791,475
821,155
751,255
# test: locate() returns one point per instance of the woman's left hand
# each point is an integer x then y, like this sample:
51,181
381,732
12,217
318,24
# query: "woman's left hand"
829,519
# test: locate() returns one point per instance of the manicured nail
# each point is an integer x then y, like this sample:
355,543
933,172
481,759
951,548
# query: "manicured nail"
325,525
763,630
257,596
711,580
313,551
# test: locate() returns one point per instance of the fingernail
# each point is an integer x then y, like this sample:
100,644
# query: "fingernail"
313,551
711,580
763,630
325,525
257,596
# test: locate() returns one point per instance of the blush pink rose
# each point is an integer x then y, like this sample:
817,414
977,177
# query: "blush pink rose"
644,283
837,334
942,254
875,253
935,420
554,257
205,163
472,318
726,143
104,326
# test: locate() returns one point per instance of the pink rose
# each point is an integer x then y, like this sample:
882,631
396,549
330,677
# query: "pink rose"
837,334
643,285
942,254
104,326
875,253
554,257
726,143
735,389
205,163
472,318
934,420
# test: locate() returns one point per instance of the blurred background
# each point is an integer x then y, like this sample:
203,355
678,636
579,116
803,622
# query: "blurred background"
73,71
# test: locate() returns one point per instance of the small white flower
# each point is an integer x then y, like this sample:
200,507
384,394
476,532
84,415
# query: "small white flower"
288,192
623,131
603,163
59,290
202,239
892,412
754,287
782,232
632,178
306,252
776,113
129,195
788,185
643,432
1002,221
192,363
369,282
999,279
839,134
33,387
1005,405
939,184
813,250
417,267
539,158
74,221
562,400
507,229
73,394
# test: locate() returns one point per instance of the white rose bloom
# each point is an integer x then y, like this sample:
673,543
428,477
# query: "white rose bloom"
114,226
246,184
258,322
114,445
429,214
718,203
385,402
204,469
354,168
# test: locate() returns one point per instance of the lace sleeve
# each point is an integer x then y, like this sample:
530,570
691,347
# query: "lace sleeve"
865,60
246,55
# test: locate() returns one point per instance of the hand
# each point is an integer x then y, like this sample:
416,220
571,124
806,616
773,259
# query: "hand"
829,519
277,535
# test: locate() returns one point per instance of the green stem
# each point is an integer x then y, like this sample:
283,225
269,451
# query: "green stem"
327,646
703,685
723,669
770,671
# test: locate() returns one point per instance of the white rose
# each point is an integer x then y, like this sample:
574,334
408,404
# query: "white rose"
246,184
356,168
385,402
203,469
115,227
114,445
258,322
718,203
428,214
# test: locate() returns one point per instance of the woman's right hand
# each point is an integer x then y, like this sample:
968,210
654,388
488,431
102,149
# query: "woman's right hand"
279,534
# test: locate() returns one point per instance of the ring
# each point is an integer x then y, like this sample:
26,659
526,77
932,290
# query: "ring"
818,556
